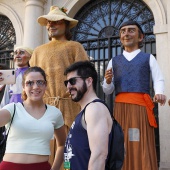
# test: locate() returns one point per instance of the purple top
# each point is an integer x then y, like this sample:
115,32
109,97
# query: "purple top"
17,97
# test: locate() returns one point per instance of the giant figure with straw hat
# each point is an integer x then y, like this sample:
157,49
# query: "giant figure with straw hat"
12,93
54,57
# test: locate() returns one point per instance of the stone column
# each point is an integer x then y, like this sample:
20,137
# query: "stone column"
33,32
162,32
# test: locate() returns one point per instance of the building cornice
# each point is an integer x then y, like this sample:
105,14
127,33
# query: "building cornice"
36,1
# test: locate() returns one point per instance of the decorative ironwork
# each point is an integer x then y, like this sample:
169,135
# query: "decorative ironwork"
7,40
98,31
103,18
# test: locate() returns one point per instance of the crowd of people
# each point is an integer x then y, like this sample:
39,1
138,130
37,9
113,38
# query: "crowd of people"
56,82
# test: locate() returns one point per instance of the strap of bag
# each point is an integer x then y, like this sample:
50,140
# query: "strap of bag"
11,122
101,101
114,121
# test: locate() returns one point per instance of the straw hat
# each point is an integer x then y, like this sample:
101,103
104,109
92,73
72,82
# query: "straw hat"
56,14
29,50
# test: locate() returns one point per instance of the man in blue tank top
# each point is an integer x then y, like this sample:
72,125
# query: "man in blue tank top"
86,147
128,75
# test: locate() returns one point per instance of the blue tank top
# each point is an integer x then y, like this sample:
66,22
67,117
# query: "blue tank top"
77,152
132,76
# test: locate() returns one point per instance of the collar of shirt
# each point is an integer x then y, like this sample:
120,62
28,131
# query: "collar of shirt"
131,55
20,70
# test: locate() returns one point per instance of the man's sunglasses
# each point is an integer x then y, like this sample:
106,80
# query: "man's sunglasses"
73,80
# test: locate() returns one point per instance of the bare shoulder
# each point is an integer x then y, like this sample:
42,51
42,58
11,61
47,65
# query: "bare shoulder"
98,115
98,109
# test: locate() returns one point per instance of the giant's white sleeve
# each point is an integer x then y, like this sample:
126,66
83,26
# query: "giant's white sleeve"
157,77
108,88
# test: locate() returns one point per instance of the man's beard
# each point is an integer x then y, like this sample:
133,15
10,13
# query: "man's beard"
80,93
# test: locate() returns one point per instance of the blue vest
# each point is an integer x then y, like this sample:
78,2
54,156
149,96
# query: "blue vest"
77,151
132,76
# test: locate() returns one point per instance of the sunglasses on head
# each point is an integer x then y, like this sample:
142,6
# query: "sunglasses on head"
40,83
73,80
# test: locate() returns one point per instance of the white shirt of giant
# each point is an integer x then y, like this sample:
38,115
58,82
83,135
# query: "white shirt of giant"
29,135
157,77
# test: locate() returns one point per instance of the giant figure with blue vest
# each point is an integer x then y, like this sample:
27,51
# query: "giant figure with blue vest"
129,75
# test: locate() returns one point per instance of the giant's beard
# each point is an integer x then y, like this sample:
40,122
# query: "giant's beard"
57,33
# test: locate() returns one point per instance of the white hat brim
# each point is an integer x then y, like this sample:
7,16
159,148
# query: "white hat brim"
29,50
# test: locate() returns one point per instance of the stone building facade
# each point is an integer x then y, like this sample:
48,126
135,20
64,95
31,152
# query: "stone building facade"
23,15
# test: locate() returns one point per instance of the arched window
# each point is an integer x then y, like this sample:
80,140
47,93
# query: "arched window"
7,40
98,29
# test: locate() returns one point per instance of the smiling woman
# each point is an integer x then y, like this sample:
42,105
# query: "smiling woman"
32,143
34,84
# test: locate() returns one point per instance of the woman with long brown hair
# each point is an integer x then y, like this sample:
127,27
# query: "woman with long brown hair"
33,125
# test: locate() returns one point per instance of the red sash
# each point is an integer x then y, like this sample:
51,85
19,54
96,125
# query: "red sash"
139,99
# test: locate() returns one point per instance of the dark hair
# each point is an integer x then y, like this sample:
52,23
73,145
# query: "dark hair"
30,70
140,30
68,34
84,69
140,44
67,31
